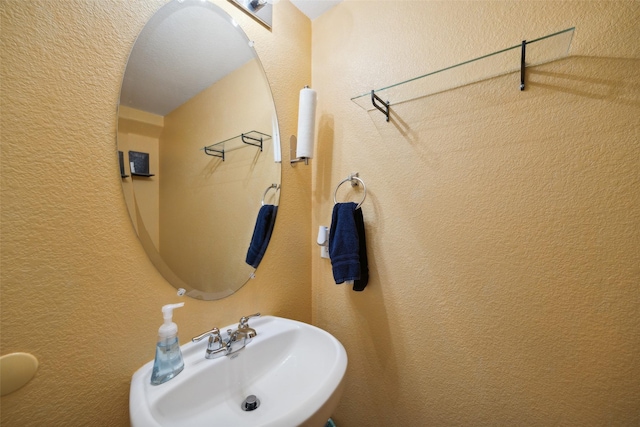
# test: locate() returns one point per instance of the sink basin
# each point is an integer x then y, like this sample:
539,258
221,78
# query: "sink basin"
294,369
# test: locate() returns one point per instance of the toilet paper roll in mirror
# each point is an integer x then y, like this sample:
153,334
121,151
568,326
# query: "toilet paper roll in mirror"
306,123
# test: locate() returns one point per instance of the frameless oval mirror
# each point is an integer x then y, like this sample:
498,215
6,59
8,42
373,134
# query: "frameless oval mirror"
199,148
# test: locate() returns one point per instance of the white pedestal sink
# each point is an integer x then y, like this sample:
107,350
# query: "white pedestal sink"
295,370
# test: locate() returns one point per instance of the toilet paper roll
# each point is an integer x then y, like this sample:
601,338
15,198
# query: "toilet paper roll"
306,123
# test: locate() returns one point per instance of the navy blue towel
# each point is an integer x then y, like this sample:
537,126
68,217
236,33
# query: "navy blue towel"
261,234
348,246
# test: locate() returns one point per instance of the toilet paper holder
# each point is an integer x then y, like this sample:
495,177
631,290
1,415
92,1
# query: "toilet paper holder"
293,146
306,128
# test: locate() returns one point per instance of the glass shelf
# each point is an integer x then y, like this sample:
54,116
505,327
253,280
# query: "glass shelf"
252,138
539,51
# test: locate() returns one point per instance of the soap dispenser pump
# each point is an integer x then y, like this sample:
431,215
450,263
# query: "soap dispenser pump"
168,362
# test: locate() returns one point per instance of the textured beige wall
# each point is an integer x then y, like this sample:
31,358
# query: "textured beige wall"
77,289
503,226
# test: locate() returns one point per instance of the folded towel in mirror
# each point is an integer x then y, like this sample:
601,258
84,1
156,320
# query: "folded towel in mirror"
348,246
261,234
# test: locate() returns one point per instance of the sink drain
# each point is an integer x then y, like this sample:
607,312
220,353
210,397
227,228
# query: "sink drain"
250,403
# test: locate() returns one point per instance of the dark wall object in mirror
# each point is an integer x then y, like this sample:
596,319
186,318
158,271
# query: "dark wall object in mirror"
139,164
121,161
193,79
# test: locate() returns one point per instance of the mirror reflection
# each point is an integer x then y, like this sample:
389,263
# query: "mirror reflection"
199,155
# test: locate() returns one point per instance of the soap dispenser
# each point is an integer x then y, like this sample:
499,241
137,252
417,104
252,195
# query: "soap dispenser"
168,362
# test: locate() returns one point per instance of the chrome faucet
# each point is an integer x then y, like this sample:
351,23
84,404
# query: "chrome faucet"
238,339
216,347
232,343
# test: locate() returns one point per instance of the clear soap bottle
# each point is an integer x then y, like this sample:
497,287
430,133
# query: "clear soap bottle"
168,362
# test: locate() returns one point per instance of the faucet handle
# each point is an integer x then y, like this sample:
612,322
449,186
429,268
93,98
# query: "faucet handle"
214,334
244,321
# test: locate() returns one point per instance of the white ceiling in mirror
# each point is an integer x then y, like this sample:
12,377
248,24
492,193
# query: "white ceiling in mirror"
188,36
163,91
314,8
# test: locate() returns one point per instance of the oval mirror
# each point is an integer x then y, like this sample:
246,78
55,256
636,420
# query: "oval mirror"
199,149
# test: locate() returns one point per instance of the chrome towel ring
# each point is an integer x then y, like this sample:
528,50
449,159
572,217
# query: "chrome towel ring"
276,186
353,179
